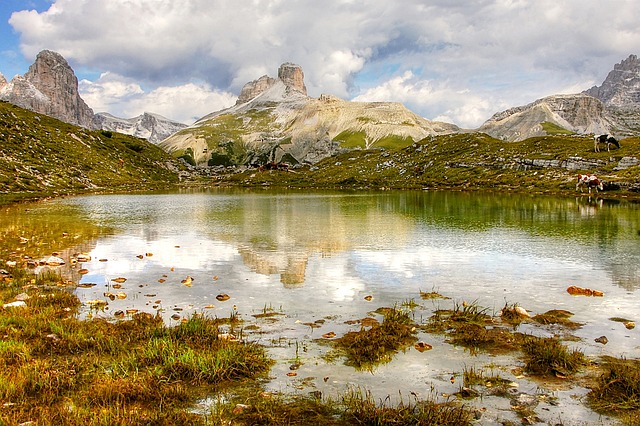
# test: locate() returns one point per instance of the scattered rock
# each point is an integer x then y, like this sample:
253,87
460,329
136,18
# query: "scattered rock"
22,297
54,261
422,346
16,304
580,291
241,408
227,336
86,285
602,339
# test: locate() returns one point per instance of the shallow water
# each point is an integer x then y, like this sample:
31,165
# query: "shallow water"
314,256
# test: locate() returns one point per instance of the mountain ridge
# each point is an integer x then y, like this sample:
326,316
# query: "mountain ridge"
150,126
50,87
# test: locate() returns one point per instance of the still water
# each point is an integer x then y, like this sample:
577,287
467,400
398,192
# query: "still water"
313,257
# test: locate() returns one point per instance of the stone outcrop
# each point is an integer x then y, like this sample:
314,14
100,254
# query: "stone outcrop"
289,74
3,81
50,87
153,127
292,76
254,88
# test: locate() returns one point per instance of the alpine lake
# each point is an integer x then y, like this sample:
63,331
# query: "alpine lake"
303,268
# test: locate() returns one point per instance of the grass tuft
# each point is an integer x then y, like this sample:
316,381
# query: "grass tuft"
549,357
369,347
618,388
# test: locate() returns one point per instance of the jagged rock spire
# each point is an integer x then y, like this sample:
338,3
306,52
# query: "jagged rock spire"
50,87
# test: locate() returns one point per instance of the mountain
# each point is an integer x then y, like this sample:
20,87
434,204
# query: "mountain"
275,120
152,127
50,87
554,114
621,88
612,108
620,93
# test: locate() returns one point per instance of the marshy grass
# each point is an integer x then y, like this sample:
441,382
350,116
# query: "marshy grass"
362,409
371,346
558,317
57,369
547,356
430,295
469,325
355,407
617,390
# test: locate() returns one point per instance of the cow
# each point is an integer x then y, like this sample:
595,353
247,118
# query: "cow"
590,181
604,139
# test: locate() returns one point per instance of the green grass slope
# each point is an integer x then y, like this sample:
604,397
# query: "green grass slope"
42,156
546,164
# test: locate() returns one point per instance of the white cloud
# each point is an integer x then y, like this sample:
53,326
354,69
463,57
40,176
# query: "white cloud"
125,98
441,102
467,59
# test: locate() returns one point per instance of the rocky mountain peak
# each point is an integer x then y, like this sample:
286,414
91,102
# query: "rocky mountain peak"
621,88
289,74
3,81
254,88
292,76
50,87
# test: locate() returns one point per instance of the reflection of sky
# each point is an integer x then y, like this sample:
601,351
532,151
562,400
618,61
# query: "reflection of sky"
312,252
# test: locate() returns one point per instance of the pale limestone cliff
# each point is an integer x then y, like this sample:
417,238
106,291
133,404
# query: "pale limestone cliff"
50,87
620,92
292,76
254,88
621,88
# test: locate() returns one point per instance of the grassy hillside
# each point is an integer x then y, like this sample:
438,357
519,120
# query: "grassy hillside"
466,161
43,156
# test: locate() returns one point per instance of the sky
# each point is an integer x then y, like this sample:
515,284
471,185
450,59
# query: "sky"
458,61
